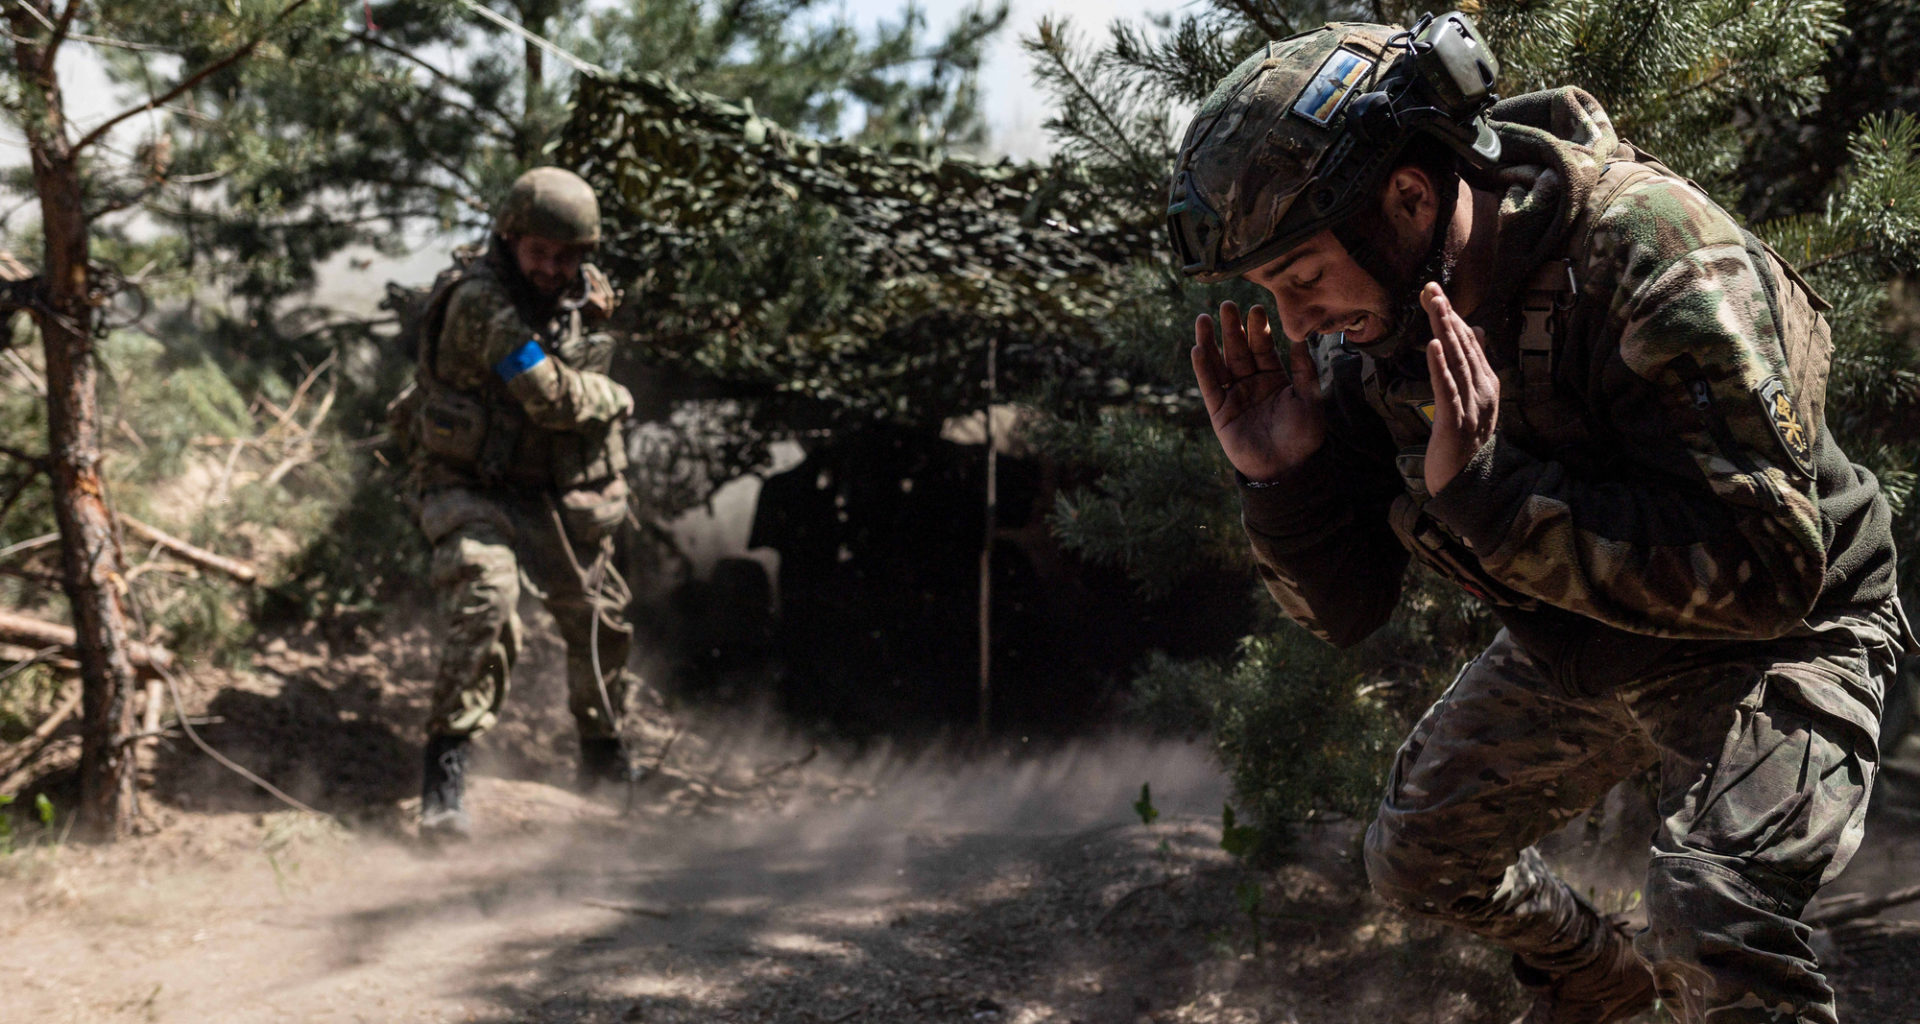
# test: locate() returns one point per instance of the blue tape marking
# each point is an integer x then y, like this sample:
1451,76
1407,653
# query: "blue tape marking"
520,360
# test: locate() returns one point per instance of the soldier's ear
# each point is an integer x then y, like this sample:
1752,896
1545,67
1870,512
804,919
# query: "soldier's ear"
1408,201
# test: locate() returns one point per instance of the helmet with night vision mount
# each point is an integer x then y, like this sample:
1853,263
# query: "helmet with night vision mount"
1299,136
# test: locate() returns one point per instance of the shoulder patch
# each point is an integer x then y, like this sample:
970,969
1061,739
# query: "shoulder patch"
1778,408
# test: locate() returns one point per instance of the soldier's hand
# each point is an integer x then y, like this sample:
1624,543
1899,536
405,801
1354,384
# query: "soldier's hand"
1466,392
1268,420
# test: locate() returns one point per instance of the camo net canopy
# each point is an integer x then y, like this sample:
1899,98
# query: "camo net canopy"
833,270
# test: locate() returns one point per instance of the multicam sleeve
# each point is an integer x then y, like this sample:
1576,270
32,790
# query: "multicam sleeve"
484,335
1713,529
1320,535
1328,559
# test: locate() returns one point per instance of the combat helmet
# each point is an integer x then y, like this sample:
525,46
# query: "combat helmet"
551,203
1301,134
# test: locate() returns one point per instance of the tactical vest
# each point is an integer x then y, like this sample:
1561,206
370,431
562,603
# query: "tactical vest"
1551,423
486,433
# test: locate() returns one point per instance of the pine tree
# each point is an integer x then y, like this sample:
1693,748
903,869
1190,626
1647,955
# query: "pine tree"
1687,79
77,179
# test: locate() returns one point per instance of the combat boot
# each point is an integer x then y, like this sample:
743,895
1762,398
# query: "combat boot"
442,819
603,761
1610,984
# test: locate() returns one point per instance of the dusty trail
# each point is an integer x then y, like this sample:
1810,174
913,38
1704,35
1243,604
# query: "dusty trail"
890,887
564,911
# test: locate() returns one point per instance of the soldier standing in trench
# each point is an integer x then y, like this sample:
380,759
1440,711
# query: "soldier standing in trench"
518,464
1574,386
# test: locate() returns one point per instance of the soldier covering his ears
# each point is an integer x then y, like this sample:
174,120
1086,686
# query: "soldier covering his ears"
1567,381
518,463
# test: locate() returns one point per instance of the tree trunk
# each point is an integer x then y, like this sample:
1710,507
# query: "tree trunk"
90,555
534,16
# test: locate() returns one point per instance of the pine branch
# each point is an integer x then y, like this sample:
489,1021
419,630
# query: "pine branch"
1256,12
240,53
61,29
438,75
1052,45
1833,257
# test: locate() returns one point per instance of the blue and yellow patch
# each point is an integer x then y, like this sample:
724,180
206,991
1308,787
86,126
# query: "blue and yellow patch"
520,360
1331,85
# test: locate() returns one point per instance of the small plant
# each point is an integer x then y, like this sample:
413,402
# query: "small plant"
1144,806
42,809
1240,841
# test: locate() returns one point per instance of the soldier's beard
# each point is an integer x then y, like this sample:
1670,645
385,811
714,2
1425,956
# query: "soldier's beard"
1407,325
1402,268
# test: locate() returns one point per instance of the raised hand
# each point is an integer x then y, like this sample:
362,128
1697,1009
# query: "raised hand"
1466,392
1267,421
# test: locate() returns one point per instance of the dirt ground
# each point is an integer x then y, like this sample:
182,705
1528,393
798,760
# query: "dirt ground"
754,878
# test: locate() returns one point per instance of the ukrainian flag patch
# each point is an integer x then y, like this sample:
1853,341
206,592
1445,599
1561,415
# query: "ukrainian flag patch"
1331,85
520,360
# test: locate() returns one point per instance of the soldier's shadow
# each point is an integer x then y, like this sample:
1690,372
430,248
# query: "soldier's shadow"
331,747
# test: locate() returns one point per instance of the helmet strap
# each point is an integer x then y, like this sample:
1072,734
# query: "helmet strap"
1369,239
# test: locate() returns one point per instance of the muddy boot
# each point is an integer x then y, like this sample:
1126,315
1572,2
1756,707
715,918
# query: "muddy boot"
603,762
1609,983
442,819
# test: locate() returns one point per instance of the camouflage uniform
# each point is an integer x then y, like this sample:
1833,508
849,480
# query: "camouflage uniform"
1688,569
518,465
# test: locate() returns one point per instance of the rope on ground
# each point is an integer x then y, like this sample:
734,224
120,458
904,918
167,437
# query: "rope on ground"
180,712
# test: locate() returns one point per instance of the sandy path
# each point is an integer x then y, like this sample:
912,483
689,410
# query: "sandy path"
998,891
561,911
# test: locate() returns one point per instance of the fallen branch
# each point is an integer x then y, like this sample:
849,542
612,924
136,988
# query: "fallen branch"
15,778
150,715
42,736
190,553
28,545
26,371
1859,906
24,629
25,658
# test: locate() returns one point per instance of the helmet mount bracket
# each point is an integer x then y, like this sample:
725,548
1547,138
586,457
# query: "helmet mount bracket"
1436,78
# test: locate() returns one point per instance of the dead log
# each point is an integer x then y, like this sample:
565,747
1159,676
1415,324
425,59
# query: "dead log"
24,629
190,553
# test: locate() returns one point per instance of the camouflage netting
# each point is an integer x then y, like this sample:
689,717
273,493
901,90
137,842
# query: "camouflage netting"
870,280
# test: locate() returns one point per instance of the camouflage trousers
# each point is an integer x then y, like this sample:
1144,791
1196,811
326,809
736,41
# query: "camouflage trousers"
482,542
1765,753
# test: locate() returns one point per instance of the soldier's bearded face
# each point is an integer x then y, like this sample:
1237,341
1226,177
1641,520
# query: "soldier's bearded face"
551,267
1317,288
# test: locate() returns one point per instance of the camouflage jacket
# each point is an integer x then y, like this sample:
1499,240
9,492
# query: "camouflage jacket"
1671,502
513,390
